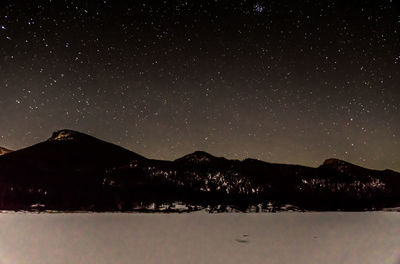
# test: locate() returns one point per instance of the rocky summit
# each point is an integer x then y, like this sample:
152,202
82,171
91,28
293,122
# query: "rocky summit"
4,151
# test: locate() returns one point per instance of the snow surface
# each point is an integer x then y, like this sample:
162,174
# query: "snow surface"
356,238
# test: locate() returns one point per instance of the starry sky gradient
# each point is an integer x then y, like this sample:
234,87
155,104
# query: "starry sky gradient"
282,81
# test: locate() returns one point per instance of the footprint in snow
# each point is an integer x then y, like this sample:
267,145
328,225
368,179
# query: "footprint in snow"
242,240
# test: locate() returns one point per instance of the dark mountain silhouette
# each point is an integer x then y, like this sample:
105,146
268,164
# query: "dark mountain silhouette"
198,157
62,170
4,151
74,171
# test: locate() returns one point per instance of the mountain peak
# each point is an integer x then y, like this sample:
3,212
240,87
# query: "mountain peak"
335,162
66,135
197,157
4,151
343,166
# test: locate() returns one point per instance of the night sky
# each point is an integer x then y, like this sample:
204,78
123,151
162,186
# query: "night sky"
281,81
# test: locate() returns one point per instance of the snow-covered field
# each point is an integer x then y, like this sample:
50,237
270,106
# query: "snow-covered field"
354,238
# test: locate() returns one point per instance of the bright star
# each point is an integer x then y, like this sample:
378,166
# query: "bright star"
258,8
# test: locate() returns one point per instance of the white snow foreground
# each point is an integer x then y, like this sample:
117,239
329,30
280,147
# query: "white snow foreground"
282,238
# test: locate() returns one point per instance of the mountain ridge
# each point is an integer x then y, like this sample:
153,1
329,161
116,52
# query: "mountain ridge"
75,171
69,134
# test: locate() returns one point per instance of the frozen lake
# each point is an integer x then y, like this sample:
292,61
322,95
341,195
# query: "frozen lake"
371,237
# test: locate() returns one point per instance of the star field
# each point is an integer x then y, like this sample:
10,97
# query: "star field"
281,81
